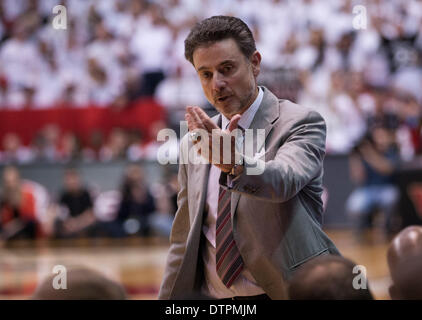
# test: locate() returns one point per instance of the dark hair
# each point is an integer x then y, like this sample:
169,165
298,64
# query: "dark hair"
407,283
326,277
218,28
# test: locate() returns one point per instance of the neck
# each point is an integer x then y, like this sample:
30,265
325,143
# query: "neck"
248,104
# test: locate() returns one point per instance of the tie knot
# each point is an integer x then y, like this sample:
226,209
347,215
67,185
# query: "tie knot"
238,127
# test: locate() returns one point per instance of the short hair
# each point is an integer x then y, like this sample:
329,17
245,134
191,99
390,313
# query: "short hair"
82,284
219,28
326,277
404,259
406,280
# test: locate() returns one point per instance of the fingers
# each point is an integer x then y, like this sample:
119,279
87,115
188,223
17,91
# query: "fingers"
190,122
233,122
194,122
206,120
194,118
199,119
192,125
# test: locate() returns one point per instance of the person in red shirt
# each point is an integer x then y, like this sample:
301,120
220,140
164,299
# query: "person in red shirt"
17,207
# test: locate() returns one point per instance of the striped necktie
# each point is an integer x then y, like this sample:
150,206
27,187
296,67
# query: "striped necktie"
229,263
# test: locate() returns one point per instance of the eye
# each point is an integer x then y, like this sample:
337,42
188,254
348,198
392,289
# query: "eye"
206,75
227,69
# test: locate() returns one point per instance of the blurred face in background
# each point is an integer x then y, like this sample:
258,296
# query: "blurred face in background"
383,138
118,141
72,181
11,179
134,174
11,142
12,191
138,192
337,81
228,78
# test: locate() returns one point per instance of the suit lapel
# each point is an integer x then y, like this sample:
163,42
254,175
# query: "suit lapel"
267,113
201,176
197,195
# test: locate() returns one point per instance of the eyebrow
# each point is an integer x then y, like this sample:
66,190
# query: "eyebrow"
221,64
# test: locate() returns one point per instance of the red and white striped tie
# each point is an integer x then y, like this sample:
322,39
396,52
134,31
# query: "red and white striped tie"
229,263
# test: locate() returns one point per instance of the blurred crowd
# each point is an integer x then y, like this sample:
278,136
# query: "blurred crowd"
51,144
138,208
114,52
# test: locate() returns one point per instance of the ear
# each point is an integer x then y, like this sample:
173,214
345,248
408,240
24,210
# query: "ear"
255,60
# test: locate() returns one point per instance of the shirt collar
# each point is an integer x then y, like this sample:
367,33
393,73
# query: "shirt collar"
247,117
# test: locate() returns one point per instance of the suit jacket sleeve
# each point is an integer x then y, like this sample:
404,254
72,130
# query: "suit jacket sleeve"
297,161
178,236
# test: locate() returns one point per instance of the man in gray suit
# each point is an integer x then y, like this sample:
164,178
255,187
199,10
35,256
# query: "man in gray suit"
238,234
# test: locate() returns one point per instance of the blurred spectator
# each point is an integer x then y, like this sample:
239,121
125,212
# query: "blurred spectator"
17,208
136,207
115,147
404,259
151,43
165,196
69,148
14,151
410,115
327,277
135,151
4,92
20,64
48,89
151,149
93,149
178,91
45,143
82,284
76,217
351,124
285,83
372,165
100,84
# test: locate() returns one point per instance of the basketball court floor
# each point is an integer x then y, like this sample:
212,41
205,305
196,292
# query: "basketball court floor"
139,263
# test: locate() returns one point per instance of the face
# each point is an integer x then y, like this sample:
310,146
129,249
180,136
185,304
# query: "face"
11,177
382,138
72,182
227,77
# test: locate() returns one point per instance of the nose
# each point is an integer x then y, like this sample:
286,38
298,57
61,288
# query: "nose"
218,82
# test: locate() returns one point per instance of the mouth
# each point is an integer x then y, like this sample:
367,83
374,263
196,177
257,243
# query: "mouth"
223,99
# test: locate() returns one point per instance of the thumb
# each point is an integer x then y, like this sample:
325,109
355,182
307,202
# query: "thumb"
233,122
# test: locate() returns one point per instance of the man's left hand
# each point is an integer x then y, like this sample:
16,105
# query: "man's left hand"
198,119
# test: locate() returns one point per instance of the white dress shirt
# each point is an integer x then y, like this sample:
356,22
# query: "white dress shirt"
245,284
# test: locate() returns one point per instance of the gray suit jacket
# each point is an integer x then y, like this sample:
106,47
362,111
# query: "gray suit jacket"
276,216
